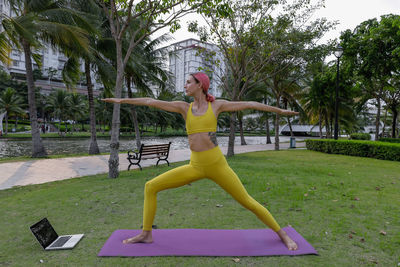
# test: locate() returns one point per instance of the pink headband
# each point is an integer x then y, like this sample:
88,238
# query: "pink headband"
205,82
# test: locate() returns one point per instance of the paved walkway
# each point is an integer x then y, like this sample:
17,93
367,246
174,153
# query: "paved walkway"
48,170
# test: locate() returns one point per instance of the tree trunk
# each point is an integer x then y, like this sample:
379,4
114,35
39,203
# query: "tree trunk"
327,126
267,129
134,116
38,149
378,114
278,99
395,113
93,147
113,162
242,140
384,122
231,142
6,118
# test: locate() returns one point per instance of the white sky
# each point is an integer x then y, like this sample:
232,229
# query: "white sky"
349,13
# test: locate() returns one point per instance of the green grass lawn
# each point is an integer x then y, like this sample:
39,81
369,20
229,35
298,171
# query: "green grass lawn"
348,208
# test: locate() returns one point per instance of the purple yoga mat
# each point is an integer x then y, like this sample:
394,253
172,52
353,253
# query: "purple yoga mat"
204,242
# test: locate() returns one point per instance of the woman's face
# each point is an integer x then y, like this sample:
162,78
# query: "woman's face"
191,86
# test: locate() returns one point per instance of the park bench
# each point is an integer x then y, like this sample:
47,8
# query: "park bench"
149,152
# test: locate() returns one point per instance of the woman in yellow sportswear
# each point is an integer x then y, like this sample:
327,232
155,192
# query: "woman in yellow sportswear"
207,160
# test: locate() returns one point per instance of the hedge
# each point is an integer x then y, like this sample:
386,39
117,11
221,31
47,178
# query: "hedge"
371,149
390,140
360,136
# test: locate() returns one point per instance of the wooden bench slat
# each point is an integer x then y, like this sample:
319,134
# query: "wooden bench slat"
154,150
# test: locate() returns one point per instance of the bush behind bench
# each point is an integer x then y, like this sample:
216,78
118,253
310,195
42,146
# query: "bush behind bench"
371,149
360,136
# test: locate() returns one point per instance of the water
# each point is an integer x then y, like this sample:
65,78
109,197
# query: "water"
54,146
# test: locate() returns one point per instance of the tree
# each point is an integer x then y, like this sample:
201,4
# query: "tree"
296,46
316,98
236,28
96,58
145,68
59,103
36,21
78,107
10,103
250,38
153,16
392,99
372,53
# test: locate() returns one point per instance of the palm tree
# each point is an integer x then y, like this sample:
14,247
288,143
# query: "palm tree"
37,22
78,106
145,68
5,49
59,103
10,103
103,111
314,102
95,58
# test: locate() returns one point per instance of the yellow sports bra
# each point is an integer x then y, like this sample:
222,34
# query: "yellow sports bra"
200,124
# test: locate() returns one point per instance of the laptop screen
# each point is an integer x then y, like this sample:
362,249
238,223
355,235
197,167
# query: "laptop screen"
44,232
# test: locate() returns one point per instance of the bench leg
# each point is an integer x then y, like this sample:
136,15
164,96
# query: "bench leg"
129,167
162,159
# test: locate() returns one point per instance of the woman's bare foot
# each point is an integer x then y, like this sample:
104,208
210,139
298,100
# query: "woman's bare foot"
291,245
144,237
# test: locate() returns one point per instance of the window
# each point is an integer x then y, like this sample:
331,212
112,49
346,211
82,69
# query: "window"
16,63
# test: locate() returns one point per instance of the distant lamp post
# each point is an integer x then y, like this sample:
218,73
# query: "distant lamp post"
338,54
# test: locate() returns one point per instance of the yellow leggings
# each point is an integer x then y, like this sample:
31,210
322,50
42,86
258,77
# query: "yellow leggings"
211,164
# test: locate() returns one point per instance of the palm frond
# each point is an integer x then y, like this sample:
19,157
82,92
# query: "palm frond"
57,34
5,49
71,72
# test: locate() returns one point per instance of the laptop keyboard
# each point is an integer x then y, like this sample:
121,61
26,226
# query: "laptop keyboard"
60,241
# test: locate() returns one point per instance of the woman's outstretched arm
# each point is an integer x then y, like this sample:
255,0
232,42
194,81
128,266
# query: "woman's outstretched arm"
224,105
172,106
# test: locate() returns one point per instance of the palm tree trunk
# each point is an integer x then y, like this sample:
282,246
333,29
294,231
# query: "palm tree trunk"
38,149
242,140
6,118
328,128
113,162
231,141
93,147
134,116
378,114
267,129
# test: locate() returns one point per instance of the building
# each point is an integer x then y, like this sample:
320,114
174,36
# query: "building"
190,56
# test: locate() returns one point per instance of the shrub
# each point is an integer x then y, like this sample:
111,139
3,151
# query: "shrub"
360,136
390,140
371,149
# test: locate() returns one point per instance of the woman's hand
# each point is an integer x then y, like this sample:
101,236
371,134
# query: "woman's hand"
288,112
112,100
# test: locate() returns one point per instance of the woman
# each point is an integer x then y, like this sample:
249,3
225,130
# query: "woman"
207,160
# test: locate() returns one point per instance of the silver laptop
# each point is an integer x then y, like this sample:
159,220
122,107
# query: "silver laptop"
50,240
